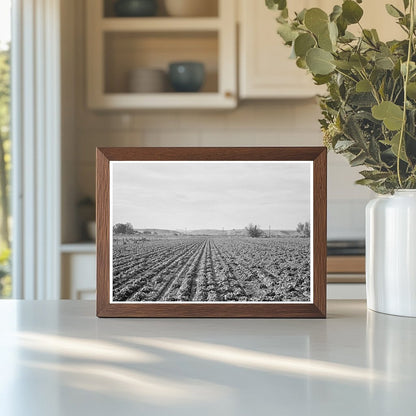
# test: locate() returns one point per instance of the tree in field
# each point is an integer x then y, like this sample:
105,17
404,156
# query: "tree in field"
304,229
126,228
307,229
254,231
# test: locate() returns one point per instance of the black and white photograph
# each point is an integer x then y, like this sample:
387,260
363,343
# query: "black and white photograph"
207,231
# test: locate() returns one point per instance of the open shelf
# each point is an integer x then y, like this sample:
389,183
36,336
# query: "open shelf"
160,24
211,9
87,247
167,100
127,51
119,45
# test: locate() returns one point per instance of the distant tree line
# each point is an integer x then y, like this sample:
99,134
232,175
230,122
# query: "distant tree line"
255,231
120,228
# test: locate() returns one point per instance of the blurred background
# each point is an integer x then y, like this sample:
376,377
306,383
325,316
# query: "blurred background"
146,73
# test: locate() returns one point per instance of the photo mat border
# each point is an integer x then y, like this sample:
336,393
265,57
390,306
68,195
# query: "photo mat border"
315,308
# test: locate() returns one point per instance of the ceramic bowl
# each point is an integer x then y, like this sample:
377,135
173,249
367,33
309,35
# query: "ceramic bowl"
186,76
135,8
147,80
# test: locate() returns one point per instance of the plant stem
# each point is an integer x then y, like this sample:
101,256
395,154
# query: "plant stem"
373,88
406,80
346,75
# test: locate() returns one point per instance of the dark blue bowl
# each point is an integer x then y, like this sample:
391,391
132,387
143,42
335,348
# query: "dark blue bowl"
187,76
135,8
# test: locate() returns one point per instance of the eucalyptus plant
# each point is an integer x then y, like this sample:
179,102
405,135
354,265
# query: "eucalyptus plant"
369,112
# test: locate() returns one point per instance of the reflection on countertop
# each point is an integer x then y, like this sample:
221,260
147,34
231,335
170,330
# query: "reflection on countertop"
355,362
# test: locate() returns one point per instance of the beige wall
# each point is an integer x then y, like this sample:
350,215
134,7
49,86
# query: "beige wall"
255,123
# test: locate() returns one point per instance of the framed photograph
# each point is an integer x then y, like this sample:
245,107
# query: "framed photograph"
211,232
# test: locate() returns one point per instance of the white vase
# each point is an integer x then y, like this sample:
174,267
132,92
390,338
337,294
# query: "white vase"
391,253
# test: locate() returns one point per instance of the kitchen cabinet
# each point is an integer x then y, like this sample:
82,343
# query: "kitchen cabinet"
265,70
78,263
346,277
118,45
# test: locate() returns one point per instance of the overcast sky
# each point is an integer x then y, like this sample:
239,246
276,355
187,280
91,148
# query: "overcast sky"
215,195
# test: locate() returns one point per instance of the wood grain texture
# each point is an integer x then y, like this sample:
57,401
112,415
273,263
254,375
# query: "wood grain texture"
319,229
317,309
103,231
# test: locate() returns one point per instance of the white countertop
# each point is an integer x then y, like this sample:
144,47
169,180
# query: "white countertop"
57,358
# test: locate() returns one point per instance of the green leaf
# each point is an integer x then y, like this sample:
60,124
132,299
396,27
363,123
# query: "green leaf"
382,89
351,11
412,67
394,145
368,36
375,35
411,90
319,61
321,79
365,182
347,37
282,20
354,132
393,11
345,65
388,112
316,20
336,12
287,33
374,174
363,86
325,42
343,145
342,25
374,150
362,99
405,21
333,32
358,61
384,62
358,160
276,4
303,43
301,15
301,63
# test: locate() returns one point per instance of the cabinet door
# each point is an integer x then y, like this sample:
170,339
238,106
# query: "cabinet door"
265,68
78,276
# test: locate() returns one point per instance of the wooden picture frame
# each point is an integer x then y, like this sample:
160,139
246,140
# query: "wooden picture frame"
315,307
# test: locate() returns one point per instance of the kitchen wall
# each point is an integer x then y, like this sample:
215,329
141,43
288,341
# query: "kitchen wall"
253,123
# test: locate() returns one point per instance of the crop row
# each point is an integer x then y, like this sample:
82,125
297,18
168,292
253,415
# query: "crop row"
212,269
